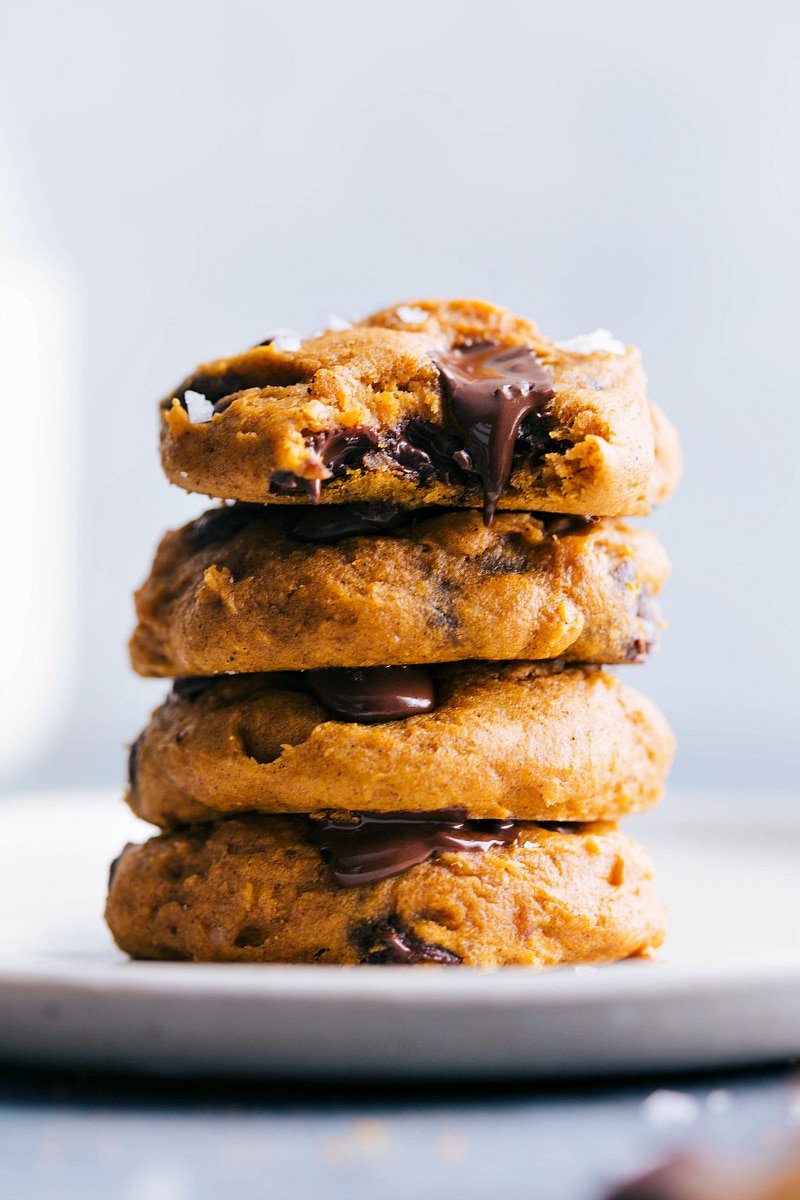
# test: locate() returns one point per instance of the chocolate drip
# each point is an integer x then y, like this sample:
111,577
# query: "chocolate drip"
374,694
387,942
364,848
489,390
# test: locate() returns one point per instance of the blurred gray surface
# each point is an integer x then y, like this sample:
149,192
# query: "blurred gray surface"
77,1138
201,172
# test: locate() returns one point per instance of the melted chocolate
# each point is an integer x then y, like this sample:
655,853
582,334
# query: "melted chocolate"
488,391
561,826
387,942
222,523
363,847
333,523
340,521
189,687
338,450
374,694
430,452
566,524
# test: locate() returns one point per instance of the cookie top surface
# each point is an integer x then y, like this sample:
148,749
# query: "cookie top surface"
255,889
516,740
253,588
401,408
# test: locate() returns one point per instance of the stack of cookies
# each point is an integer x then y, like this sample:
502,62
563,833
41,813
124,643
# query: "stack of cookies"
390,736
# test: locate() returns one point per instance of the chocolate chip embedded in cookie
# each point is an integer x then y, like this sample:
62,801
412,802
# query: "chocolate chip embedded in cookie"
257,889
252,588
522,740
444,402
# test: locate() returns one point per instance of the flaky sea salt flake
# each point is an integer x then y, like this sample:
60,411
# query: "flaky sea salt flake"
336,324
601,341
409,314
286,339
199,409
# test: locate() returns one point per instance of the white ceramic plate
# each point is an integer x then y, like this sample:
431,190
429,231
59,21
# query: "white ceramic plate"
725,990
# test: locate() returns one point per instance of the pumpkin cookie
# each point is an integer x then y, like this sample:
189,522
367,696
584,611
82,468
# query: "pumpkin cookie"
453,402
522,740
253,588
268,889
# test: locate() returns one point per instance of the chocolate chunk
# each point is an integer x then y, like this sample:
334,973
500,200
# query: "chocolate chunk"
488,391
364,848
385,942
566,525
221,524
338,450
332,524
372,695
430,452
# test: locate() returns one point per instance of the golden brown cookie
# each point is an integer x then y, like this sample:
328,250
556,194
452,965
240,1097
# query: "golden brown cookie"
524,740
384,411
247,589
256,889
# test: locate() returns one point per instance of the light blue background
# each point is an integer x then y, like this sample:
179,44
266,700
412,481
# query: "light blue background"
202,172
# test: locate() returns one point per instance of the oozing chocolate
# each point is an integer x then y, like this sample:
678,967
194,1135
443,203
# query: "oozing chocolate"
374,694
386,942
364,847
566,524
335,522
222,523
429,451
338,521
489,390
336,451
495,403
